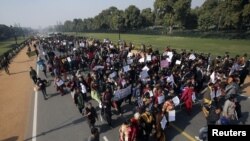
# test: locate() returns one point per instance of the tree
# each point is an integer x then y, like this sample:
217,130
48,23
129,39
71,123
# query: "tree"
132,17
68,26
148,17
207,19
173,12
246,15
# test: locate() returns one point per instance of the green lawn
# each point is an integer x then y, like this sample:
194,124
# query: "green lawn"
7,44
214,46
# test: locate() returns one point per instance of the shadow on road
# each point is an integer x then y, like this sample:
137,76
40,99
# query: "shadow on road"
14,138
74,122
14,73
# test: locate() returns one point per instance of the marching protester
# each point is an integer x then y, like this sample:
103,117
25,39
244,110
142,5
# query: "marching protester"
95,135
42,84
79,100
33,75
91,115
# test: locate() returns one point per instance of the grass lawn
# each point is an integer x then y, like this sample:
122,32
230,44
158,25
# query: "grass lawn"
214,46
7,44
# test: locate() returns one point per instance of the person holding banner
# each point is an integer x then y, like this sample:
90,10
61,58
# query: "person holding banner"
59,84
167,107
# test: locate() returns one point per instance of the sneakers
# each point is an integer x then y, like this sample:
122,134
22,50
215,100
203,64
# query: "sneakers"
197,138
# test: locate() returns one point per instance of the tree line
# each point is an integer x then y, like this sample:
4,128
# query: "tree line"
212,15
7,32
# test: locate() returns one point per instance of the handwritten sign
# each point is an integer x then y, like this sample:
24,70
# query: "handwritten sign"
122,93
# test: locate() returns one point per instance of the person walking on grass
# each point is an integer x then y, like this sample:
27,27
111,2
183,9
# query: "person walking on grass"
33,75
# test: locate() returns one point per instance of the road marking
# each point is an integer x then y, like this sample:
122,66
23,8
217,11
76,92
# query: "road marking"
34,128
105,138
185,134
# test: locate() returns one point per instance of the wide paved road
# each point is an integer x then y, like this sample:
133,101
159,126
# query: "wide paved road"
58,119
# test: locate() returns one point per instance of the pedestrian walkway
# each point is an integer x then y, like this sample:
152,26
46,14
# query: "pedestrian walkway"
16,92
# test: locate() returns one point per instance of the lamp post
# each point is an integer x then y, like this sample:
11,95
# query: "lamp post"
13,31
118,25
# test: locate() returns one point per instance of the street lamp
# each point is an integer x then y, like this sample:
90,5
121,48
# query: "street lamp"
118,24
13,31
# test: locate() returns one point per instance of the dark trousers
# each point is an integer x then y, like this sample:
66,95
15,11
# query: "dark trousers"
34,79
44,93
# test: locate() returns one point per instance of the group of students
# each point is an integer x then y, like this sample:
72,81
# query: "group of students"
153,79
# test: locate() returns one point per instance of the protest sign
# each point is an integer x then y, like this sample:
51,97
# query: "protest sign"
145,68
130,54
122,93
141,60
164,64
59,83
161,99
143,74
69,59
98,67
126,68
148,58
176,100
178,62
112,75
171,115
163,122
192,57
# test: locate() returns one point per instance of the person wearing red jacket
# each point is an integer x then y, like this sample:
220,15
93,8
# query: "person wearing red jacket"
187,97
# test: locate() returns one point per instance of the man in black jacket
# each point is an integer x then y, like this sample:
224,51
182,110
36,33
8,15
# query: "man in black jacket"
91,115
33,75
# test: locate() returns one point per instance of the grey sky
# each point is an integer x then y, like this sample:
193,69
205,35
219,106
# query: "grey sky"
42,13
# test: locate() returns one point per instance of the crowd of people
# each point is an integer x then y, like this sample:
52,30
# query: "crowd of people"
155,83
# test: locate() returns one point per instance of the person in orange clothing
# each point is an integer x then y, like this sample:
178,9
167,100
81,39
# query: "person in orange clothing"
187,97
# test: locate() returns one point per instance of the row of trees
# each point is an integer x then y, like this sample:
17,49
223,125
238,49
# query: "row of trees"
7,32
171,14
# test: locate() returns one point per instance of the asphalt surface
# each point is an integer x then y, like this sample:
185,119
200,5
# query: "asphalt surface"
58,119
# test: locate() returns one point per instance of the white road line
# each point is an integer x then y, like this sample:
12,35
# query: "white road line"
34,128
105,138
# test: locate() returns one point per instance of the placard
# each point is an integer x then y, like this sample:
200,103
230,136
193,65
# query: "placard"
126,68
192,57
98,67
163,122
176,100
69,59
171,116
112,75
145,68
122,93
161,99
151,94
59,83
164,64
178,62
144,74
130,54
148,58
142,60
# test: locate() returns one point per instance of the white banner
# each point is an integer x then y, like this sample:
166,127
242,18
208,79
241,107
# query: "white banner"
122,93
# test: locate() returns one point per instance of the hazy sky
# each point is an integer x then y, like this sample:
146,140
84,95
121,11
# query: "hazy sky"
42,13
